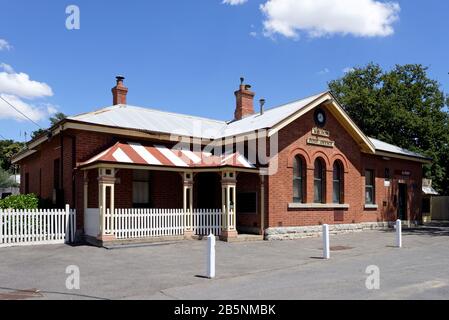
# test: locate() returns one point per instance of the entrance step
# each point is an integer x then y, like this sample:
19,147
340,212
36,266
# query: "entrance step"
436,223
246,238
141,242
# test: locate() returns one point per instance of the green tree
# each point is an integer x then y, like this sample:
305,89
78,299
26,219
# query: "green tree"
57,117
402,106
5,180
8,148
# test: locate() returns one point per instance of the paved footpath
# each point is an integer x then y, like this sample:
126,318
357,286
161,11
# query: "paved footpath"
258,270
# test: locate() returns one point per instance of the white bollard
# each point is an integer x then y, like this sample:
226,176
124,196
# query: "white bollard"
398,233
211,256
326,248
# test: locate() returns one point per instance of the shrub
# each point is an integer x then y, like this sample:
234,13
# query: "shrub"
20,202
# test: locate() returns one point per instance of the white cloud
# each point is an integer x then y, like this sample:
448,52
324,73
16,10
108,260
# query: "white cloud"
34,112
20,84
324,71
234,2
15,87
253,34
319,18
4,45
7,68
348,69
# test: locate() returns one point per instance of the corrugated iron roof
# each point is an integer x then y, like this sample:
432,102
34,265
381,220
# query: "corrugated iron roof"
386,147
131,117
159,155
151,120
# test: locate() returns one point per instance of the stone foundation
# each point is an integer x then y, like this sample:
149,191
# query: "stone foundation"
291,233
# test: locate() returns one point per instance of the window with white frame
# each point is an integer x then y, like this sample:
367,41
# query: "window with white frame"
141,188
369,187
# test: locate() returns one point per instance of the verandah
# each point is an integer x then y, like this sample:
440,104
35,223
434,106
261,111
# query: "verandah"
108,223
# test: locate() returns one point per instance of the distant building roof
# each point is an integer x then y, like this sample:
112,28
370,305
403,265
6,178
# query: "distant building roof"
429,191
427,188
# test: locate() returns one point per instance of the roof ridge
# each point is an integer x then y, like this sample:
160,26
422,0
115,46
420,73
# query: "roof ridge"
94,111
298,100
280,106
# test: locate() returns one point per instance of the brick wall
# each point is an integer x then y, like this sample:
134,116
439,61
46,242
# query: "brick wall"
292,142
166,190
166,187
249,182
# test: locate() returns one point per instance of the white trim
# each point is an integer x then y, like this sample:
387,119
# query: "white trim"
23,156
317,206
371,206
336,108
98,156
144,153
285,122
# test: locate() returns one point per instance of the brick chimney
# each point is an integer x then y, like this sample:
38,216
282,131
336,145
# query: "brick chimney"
119,92
245,101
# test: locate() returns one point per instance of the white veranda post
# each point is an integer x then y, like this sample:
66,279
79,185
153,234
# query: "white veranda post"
106,181
228,186
188,202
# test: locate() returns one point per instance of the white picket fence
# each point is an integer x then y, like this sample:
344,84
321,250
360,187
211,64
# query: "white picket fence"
34,227
206,222
145,223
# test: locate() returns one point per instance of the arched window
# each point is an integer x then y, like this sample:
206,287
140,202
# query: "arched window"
299,178
337,182
319,181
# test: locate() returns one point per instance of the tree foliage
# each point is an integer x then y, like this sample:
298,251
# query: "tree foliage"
402,106
8,148
57,117
5,180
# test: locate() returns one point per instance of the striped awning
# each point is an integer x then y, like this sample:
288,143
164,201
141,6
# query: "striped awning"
160,155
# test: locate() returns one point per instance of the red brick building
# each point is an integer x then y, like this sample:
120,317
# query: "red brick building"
270,172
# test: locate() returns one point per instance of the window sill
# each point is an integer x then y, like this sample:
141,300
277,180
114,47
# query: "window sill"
371,207
317,206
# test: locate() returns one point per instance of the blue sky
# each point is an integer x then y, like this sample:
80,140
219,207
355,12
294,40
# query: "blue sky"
187,56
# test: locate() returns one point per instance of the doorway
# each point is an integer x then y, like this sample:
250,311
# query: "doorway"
402,202
207,191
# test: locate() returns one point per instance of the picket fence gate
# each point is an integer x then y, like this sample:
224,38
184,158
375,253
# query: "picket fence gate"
146,223
34,227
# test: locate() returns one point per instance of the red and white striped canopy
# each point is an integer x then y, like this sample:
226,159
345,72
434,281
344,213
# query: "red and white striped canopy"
160,155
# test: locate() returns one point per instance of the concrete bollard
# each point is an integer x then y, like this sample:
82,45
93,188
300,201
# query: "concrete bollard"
326,248
398,233
211,256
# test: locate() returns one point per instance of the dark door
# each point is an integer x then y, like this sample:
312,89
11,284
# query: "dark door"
208,191
402,202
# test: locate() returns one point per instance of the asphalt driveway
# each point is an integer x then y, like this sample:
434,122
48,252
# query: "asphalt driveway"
256,270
